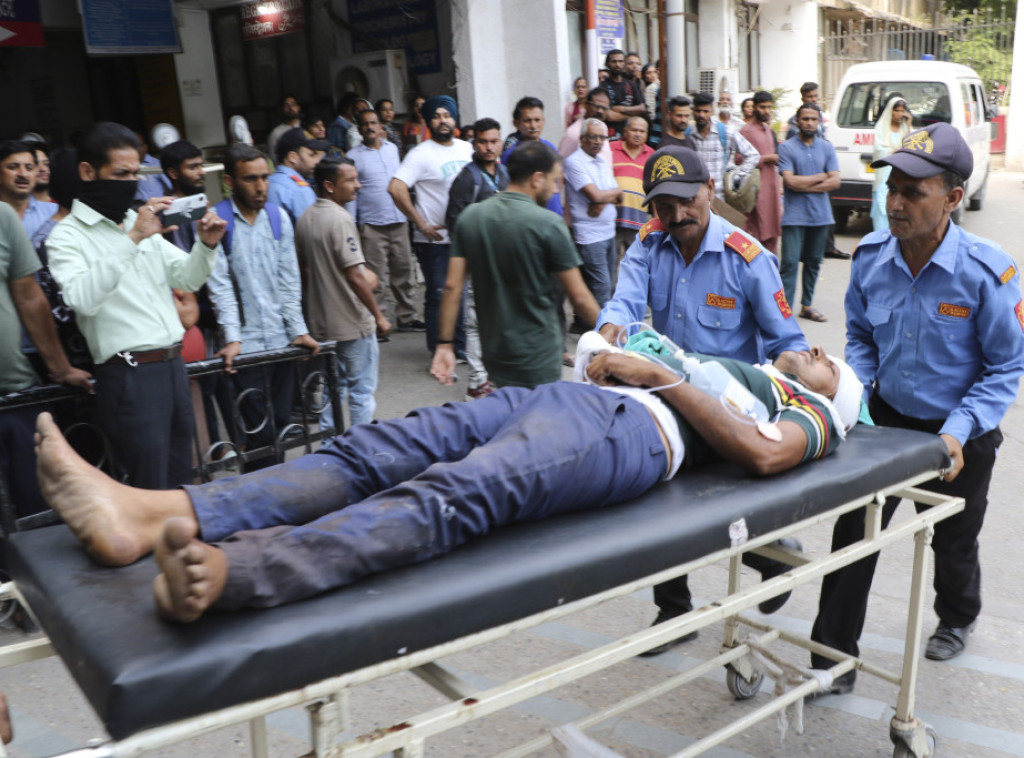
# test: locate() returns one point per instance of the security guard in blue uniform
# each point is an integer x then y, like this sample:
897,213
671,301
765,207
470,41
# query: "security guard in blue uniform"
711,289
297,156
935,328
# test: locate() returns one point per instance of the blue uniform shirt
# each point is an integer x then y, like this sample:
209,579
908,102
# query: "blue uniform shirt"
289,190
724,303
807,208
948,344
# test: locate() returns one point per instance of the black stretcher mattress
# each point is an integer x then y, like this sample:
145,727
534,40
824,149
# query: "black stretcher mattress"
139,672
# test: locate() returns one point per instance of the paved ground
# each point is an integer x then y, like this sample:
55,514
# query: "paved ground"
974,702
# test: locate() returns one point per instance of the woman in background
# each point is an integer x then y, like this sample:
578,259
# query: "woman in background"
574,110
890,129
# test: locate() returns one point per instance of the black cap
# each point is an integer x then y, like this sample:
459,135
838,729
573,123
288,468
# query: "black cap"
675,171
931,151
295,138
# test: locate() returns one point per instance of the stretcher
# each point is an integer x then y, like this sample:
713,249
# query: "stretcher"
163,682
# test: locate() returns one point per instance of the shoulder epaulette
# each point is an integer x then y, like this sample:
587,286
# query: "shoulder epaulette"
654,225
742,244
993,258
299,180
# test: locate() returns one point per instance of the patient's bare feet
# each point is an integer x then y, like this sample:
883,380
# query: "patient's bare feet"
117,524
192,573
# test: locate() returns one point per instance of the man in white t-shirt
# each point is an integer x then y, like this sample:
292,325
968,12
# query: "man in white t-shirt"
431,167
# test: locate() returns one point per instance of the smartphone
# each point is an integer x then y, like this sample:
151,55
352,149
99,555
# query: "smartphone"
184,210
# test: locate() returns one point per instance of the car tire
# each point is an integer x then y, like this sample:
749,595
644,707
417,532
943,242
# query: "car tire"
978,198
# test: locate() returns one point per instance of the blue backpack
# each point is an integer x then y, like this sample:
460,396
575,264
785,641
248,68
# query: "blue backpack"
223,209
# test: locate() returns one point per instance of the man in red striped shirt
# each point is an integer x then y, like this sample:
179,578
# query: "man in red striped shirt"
628,158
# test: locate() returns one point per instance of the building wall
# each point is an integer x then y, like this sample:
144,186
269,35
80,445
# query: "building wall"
498,59
789,48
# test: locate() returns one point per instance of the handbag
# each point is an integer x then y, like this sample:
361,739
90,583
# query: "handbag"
744,197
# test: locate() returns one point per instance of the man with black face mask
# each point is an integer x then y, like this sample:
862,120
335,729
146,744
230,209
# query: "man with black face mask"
116,272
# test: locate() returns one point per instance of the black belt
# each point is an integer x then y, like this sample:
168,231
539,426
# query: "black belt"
134,358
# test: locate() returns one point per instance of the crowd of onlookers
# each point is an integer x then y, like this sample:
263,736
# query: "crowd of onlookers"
316,244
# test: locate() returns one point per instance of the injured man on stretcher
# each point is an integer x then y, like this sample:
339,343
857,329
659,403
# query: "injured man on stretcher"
396,492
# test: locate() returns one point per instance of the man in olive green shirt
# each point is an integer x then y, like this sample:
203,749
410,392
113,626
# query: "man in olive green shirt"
512,246
22,302
116,272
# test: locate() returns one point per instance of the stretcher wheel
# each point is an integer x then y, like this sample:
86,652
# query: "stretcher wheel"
902,751
743,689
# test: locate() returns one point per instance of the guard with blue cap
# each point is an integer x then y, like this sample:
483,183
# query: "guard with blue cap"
935,331
712,289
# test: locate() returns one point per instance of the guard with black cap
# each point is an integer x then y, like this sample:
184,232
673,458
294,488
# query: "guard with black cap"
297,156
935,330
711,288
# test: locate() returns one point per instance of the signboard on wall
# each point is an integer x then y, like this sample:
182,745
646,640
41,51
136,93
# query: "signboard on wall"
407,24
272,18
611,27
21,24
129,27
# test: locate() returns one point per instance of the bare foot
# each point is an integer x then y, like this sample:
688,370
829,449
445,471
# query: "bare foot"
117,524
192,573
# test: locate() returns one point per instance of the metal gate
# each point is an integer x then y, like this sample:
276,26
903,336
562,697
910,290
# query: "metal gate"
983,42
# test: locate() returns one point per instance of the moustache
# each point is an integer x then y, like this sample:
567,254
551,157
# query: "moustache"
681,224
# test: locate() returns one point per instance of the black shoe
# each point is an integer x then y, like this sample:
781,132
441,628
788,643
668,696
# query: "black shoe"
838,255
412,326
947,642
773,604
383,338
661,617
841,686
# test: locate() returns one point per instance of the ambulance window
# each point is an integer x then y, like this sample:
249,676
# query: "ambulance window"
863,102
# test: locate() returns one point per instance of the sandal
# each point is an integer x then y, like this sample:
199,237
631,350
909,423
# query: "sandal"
812,314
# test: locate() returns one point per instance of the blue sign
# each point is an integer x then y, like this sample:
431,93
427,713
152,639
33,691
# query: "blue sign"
410,25
609,23
129,27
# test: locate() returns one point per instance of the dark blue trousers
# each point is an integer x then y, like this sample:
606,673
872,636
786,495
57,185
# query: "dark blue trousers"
146,413
397,492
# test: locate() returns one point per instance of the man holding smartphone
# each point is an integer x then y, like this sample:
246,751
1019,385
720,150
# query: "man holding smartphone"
117,272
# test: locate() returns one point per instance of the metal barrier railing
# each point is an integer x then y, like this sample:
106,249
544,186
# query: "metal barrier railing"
317,380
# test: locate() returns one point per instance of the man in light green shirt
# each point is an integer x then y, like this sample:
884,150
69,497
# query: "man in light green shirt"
116,272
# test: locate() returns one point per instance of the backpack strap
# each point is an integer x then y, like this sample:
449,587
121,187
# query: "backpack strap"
226,212
723,136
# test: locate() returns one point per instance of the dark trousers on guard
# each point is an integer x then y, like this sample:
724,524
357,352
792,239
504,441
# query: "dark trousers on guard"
844,593
146,413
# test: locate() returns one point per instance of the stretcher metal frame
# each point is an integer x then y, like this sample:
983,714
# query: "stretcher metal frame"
326,700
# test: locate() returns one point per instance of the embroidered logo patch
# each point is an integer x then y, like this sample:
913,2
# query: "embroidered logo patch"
718,301
1019,310
919,141
666,166
746,247
1008,275
780,300
959,311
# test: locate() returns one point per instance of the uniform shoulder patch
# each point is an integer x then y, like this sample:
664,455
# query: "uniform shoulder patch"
742,244
1008,275
299,180
654,225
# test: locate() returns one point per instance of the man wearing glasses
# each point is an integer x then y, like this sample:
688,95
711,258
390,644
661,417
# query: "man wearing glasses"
592,193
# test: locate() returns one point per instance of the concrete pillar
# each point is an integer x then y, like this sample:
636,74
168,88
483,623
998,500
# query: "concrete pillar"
1015,136
504,51
196,70
675,43
789,48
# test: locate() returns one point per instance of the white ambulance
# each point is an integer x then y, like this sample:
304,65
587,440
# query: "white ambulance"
934,91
